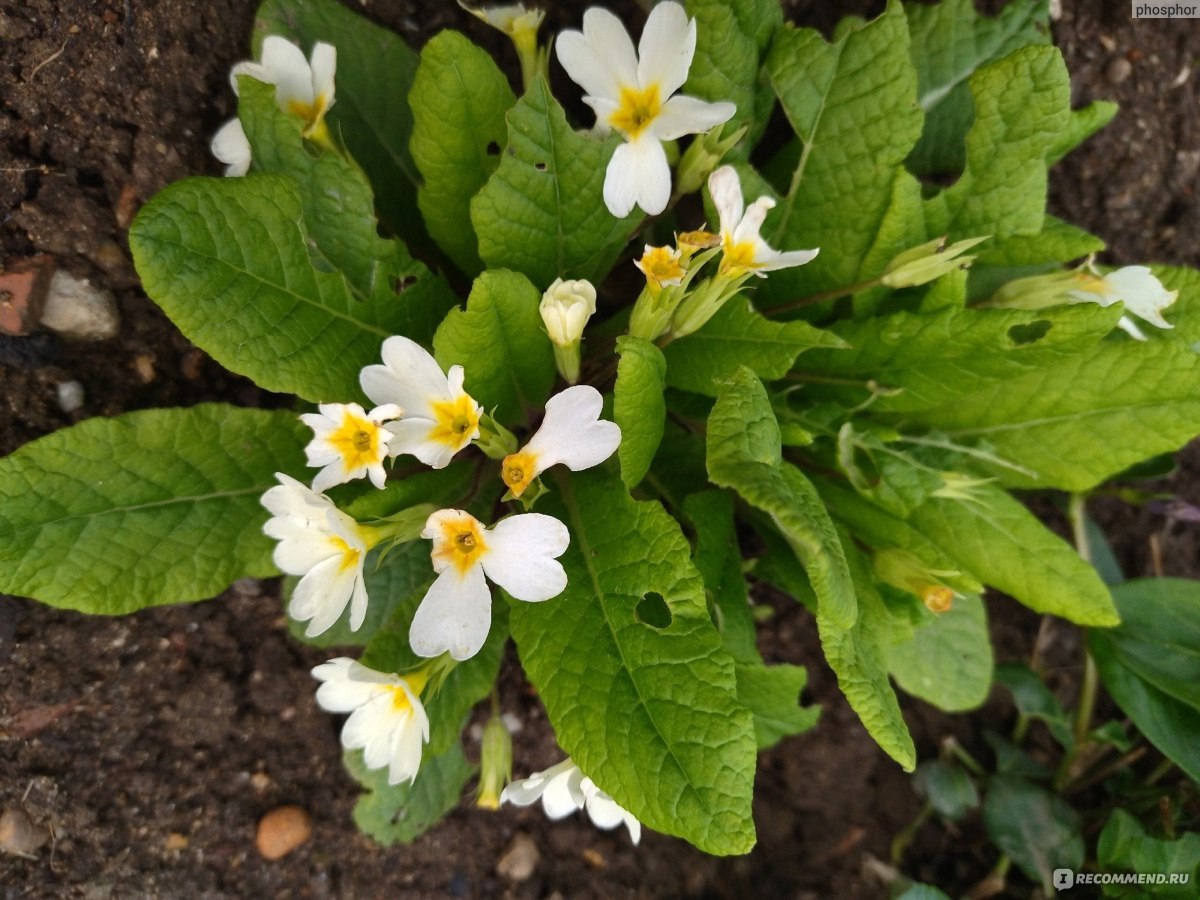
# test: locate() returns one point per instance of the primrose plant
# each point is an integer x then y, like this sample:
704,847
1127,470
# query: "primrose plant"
827,375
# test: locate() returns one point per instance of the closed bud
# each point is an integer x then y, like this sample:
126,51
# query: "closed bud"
495,764
929,261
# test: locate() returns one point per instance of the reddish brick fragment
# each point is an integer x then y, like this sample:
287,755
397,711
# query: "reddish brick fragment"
23,286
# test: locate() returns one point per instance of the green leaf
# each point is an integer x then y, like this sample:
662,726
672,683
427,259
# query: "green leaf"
468,682
639,406
859,658
375,124
1034,700
841,188
1124,846
922,892
731,39
947,787
1022,104
542,212
1159,635
1085,419
739,336
1020,254
929,359
950,41
400,813
1003,544
743,453
1184,313
339,213
500,340
228,260
160,506
770,693
948,660
649,713
459,97
1084,122
1037,829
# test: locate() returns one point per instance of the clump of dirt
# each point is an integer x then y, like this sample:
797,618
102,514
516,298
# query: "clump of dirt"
152,745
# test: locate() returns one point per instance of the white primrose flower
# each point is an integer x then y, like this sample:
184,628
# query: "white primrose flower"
231,146
348,442
324,546
563,789
440,418
1136,286
631,91
387,721
742,248
519,554
565,308
572,433
302,87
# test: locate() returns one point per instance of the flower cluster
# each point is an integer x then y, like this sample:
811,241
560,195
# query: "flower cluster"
425,412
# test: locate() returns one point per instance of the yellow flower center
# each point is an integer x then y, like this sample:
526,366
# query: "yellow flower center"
637,109
661,266
1092,284
456,421
461,543
736,258
416,683
350,555
937,597
518,470
357,441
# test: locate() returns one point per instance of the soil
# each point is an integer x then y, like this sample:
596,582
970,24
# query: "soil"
150,746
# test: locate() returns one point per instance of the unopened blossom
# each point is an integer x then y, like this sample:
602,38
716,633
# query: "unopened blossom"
742,247
324,546
519,553
1135,286
440,418
303,87
572,433
565,308
563,789
348,442
634,92
387,720
511,18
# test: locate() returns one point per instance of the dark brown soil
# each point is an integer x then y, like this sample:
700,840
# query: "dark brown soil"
152,745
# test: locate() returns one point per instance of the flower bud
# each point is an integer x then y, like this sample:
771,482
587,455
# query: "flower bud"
495,764
566,307
922,264
906,572
702,156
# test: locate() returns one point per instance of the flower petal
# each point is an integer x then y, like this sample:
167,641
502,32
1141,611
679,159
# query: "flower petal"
1142,293
231,146
412,435
666,49
455,616
347,684
522,553
686,115
563,794
322,594
726,191
776,260
527,791
409,377
572,432
324,66
289,70
637,174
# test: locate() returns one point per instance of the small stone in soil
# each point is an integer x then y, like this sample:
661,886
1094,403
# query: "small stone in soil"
70,396
594,858
519,860
76,309
175,841
1118,70
18,834
23,287
282,830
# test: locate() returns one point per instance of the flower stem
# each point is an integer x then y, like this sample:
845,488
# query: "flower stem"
822,296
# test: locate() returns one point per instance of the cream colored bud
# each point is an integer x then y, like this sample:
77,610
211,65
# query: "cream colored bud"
566,307
923,264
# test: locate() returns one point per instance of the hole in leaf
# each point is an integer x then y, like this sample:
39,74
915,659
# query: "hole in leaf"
541,167
1029,332
400,285
652,610
493,149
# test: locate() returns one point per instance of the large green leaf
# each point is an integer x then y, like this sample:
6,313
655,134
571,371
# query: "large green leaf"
1022,104
459,98
1124,846
339,213
950,41
834,96
229,262
639,406
1037,829
948,659
160,506
744,453
649,711
1002,543
391,813
500,341
739,336
371,114
1085,419
731,39
543,212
